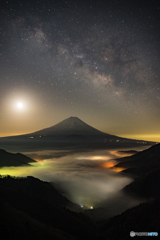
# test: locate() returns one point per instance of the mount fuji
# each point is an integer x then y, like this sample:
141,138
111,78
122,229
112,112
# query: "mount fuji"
70,133
70,126
74,131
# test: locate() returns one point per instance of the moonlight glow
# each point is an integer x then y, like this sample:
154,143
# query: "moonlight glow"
20,105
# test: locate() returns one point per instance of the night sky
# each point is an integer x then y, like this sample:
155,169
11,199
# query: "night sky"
93,60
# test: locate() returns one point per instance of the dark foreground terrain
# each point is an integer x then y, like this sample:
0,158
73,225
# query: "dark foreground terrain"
142,218
144,167
33,209
10,159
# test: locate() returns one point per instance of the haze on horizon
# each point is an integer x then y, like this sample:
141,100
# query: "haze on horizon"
96,61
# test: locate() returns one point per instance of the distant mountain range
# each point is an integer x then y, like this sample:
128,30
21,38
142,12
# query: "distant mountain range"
70,133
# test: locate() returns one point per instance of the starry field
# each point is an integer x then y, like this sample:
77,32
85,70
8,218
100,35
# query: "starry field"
95,60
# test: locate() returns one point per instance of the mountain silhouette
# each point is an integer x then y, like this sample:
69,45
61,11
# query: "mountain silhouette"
39,205
144,167
15,224
10,159
70,126
68,134
76,129
142,162
42,189
142,218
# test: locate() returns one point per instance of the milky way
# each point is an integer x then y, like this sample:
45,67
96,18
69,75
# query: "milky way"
97,61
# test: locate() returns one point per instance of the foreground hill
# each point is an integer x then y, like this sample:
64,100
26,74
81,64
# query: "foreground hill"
142,218
39,188
10,159
14,224
35,210
141,162
146,186
145,168
42,203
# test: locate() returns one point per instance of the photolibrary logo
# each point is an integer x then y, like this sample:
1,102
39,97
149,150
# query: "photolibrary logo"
133,234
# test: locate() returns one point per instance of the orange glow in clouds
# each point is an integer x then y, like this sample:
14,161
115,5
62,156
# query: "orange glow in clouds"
38,160
118,169
110,165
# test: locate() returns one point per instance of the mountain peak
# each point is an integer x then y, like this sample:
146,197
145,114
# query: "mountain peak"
72,118
71,125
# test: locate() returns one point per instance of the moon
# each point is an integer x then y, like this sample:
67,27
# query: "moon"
20,105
